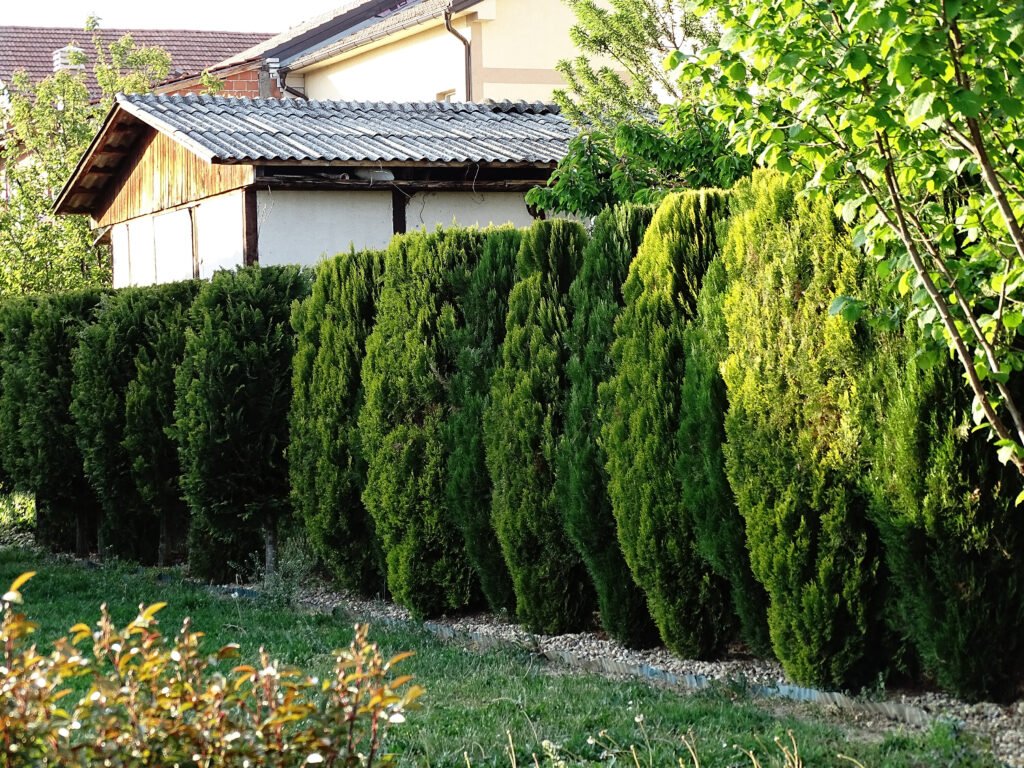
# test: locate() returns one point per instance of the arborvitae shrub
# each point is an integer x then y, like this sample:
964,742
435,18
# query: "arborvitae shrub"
640,424
325,453
15,329
406,372
104,367
149,417
797,423
953,540
522,425
234,391
594,300
477,352
707,500
36,403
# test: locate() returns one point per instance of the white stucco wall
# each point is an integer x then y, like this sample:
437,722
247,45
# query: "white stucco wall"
297,227
172,233
119,250
141,252
413,68
219,238
428,209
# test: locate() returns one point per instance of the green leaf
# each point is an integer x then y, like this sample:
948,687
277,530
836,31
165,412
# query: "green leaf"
920,109
967,103
736,71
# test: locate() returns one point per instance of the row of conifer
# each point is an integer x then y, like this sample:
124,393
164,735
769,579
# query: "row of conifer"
660,422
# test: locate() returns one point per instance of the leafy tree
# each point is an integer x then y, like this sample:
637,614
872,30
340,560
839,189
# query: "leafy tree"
633,146
477,352
522,426
594,301
707,500
406,372
799,386
325,459
149,417
640,411
50,124
234,390
909,114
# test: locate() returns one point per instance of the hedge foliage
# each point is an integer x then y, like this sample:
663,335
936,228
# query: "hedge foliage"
406,372
707,500
149,417
522,426
233,397
325,458
953,541
640,413
40,334
798,382
476,348
105,366
594,300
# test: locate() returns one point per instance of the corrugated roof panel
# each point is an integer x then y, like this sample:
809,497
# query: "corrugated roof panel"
240,129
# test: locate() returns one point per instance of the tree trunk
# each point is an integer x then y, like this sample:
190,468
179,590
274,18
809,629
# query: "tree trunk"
270,537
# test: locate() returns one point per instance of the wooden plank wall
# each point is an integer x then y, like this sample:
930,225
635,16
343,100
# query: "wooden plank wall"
160,174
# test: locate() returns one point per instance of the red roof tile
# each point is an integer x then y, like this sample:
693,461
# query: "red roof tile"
192,51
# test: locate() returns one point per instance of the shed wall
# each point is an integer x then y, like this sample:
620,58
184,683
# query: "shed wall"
467,209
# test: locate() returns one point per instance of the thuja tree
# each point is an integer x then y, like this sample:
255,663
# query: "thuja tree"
104,367
325,457
797,423
953,542
522,426
477,352
594,300
149,416
640,422
405,374
909,113
39,336
707,499
234,391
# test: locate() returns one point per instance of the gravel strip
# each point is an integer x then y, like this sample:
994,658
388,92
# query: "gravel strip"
1002,726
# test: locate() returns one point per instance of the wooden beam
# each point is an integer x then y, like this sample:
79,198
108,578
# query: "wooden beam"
399,201
250,229
409,186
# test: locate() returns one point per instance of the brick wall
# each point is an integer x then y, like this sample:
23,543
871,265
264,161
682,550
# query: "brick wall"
237,83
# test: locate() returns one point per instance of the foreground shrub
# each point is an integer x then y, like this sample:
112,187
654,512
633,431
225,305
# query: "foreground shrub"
594,300
953,542
640,416
151,700
798,385
522,425
40,334
707,500
408,364
233,396
477,352
106,363
325,460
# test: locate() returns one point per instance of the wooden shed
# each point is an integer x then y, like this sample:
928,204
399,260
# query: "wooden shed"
186,185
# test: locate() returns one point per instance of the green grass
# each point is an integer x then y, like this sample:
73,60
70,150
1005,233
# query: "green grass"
474,699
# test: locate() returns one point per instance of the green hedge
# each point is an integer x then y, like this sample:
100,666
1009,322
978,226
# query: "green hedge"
325,460
953,539
640,422
234,391
707,500
40,334
799,384
522,425
477,351
127,324
406,372
594,300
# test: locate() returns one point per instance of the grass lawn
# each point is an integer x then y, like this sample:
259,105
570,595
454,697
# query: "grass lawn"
474,700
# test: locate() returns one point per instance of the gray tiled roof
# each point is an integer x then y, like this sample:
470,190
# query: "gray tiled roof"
240,130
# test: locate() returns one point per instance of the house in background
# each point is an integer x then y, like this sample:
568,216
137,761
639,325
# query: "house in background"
408,50
190,184
40,51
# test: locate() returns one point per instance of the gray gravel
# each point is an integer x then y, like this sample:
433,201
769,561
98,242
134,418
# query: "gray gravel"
1001,726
